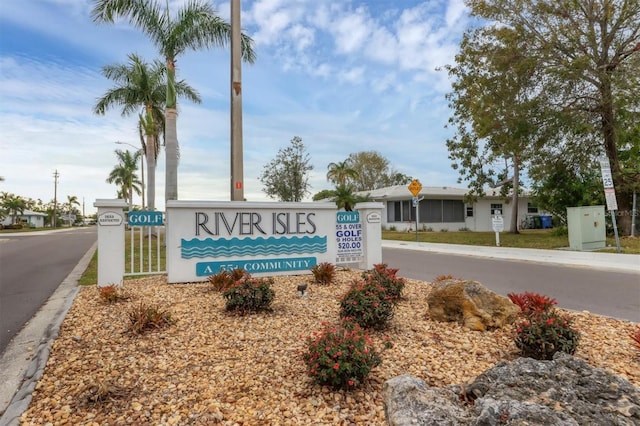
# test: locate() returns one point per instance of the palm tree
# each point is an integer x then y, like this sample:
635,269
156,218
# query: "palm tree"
345,198
142,87
195,26
124,175
13,205
339,173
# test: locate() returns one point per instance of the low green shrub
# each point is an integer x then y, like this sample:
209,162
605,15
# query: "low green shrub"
340,356
541,335
324,273
368,304
560,231
249,294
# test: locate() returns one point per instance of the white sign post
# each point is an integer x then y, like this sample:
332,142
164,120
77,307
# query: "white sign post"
610,195
497,223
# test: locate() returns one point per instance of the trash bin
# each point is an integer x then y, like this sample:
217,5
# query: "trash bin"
537,222
546,222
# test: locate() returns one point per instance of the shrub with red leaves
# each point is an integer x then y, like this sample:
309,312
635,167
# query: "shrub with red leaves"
532,303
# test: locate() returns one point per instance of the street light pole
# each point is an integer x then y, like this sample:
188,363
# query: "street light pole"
141,164
237,185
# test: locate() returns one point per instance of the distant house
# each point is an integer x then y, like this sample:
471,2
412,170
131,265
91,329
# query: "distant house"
443,207
27,218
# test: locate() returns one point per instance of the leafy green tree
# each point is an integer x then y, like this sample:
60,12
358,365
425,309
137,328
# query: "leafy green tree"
496,111
286,177
194,26
565,186
372,171
142,87
338,173
13,205
124,175
394,178
588,53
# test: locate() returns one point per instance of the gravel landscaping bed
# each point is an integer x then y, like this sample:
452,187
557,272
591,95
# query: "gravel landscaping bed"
215,367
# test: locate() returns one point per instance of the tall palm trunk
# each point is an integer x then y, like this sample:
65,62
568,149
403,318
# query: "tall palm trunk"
171,135
151,171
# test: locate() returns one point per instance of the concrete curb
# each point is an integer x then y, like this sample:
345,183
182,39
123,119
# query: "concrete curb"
22,371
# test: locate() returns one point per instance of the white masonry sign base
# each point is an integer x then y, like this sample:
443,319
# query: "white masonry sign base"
264,238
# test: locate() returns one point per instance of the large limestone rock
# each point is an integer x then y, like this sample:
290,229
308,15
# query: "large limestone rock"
564,391
471,304
409,401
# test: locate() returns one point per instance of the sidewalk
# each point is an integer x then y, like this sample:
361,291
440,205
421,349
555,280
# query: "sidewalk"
596,260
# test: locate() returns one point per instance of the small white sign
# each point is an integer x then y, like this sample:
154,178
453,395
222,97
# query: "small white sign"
607,181
373,217
110,219
497,222
610,197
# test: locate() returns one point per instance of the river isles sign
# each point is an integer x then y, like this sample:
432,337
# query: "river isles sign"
204,238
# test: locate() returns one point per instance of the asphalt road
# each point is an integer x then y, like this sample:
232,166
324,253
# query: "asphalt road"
32,266
610,293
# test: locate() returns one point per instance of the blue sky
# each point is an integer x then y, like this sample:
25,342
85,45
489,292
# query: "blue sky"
346,76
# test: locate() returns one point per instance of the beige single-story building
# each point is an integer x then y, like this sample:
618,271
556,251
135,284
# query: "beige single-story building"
443,207
27,218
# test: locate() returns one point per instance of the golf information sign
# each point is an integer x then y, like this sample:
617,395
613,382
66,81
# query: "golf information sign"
348,237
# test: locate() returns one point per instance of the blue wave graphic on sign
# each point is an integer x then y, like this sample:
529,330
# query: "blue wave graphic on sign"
251,247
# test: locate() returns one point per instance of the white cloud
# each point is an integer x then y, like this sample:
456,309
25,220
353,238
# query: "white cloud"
351,31
345,76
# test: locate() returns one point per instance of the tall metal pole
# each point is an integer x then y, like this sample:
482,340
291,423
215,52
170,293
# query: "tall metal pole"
237,184
634,212
56,175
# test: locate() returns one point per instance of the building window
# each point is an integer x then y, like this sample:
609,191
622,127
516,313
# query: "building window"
430,211
496,209
532,209
469,211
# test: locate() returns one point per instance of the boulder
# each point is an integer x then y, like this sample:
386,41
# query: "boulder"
564,391
409,401
470,304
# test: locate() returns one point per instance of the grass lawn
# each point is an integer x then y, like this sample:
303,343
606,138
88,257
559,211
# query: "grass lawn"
530,238
90,275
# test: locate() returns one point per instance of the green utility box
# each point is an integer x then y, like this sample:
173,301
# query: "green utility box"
586,227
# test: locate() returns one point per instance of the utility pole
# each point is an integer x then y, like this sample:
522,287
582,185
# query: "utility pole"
56,175
237,185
